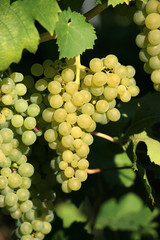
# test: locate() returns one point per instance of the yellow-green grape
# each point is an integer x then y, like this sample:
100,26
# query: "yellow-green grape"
65,187
69,172
74,163
70,107
63,165
110,93
50,135
88,80
151,6
74,184
77,143
121,71
54,87
87,95
76,132
83,164
113,114
78,99
102,106
66,97
134,90
60,115
47,114
81,175
67,156
121,89
126,97
71,87
110,61
153,37
2,118
83,151
99,79
96,65
125,81
56,101
88,109
152,21
64,128
71,118
87,138
92,127
113,80
155,76
84,121
131,71
67,141
67,75
97,91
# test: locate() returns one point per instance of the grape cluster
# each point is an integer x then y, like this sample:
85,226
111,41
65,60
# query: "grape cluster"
55,110
148,18
76,105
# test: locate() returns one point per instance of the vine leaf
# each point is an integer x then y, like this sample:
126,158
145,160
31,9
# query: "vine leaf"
123,216
74,34
18,30
153,146
113,2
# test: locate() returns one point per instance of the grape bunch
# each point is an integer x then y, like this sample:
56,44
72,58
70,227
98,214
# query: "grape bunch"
148,18
46,123
77,102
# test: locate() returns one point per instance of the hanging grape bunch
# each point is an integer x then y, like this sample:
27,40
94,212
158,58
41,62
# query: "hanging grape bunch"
148,18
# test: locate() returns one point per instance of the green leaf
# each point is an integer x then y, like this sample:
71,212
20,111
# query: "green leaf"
116,2
69,213
74,35
18,30
125,215
153,146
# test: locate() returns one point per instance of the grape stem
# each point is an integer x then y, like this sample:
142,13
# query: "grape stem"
97,170
105,136
78,68
44,37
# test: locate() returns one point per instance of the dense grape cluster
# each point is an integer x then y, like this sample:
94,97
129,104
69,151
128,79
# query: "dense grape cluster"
55,110
148,18
76,107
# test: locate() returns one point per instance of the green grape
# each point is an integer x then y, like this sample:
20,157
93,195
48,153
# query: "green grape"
88,80
67,75
3,182
77,143
49,72
154,62
26,170
151,6
55,101
54,87
126,97
99,79
7,135
71,87
88,109
47,62
37,225
17,77
143,55
2,203
46,227
15,155
78,99
121,71
139,17
23,195
74,184
83,151
11,199
28,137
102,106
26,183
81,175
155,76
17,121
96,65
36,98
65,187
6,148
30,215
30,123
33,110
110,61
14,180
37,69
41,85
64,128
63,165
12,208
110,93
50,135
27,237
26,228
70,107
60,115
71,118
6,172
153,50
17,214
26,206
21,105
2,119
83,164
69,172
67,141
113,114
6,190
84,121
87,138
20,89
7,99
76,132
141,40
152,21
154,37
60,178
67,156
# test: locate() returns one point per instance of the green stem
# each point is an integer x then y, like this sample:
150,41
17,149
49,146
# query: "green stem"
78,68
